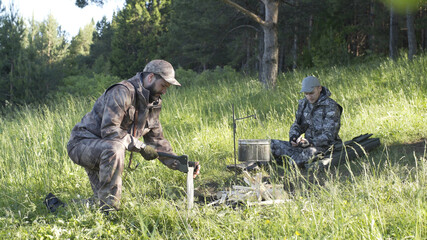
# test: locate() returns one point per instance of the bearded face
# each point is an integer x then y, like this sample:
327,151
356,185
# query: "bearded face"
157,86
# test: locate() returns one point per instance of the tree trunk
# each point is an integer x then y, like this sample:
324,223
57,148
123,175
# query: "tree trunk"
11,82
271,51
425,39
295,42
246,67
295,49
269,63
412,42
310,29
281,58
371,37
260,53
393,34
424,29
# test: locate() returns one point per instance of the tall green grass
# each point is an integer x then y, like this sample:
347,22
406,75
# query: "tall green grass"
379,196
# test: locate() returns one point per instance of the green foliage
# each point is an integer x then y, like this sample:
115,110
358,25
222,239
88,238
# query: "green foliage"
200,35
33,59
84,3
401,6
330,50
137,31
196,35
80,44
11,51
86,85
49,47
378,196
50,41
100,50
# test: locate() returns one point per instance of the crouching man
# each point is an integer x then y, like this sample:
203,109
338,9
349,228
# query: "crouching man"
125,112
318,117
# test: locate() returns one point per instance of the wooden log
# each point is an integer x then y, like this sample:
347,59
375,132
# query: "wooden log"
269,202
236,187
190,188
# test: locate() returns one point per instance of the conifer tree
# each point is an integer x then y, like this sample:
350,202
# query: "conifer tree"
11,49
80,44
201,36
137,31
52,48
100,50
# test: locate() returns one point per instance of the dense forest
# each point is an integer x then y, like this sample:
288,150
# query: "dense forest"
37,61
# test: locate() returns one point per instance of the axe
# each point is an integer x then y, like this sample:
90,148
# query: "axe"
184,167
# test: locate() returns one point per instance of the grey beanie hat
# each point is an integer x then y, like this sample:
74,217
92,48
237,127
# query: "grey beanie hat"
309,83
164,69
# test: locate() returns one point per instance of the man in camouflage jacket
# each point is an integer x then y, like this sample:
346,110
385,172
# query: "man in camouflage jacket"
318,116
125,112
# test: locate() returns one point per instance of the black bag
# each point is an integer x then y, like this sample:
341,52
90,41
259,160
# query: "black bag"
349,150
52,202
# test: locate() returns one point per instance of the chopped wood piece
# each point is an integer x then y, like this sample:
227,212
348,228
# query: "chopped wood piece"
256,192
190,187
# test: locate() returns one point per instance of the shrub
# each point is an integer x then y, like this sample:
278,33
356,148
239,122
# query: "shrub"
87,85
330,50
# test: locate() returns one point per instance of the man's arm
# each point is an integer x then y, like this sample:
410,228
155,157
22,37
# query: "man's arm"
296,129
117,101
156,139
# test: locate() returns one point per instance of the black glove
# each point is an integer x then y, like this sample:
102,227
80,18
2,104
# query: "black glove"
149,153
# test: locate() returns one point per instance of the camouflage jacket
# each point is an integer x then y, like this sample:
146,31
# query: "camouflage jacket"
320,121
114,114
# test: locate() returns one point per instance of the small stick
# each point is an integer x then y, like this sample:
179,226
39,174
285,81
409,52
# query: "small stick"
190,187
269,202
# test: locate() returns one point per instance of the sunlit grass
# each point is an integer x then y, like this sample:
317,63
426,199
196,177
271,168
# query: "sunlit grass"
379,196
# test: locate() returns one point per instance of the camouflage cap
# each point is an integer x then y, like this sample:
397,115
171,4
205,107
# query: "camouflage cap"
164,69
309,83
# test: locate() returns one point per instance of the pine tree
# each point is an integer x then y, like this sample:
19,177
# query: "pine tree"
100,50
80,44
203,35
52,48
137,31
11,49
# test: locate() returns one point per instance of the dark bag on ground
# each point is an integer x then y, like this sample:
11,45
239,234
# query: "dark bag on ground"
52,202
349,150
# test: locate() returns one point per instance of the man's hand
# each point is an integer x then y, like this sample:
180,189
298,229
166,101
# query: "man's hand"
294,141
196,166
300,142
149,153
304,143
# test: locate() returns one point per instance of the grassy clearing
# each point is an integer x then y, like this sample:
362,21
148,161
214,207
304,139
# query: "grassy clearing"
379,196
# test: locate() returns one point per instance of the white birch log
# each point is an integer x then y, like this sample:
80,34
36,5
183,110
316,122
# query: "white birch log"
190,187
269,202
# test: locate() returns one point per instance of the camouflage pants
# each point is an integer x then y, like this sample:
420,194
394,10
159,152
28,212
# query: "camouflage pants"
295,155
103,161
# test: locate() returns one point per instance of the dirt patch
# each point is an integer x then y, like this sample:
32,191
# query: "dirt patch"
417,147
206,193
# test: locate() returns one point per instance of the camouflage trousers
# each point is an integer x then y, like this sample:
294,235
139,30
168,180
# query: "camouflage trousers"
283,150
103,161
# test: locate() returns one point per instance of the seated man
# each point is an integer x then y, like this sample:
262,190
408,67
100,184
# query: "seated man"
318,116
